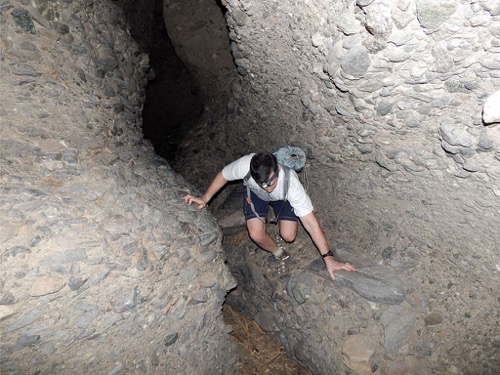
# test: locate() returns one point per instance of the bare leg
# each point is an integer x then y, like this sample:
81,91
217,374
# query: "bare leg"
288,230
257,231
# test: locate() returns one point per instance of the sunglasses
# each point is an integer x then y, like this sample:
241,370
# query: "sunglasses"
267,183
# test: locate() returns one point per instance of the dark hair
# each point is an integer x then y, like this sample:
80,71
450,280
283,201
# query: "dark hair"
261,166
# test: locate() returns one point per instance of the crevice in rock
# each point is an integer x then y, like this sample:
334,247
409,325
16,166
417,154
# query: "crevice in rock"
172,105
172,108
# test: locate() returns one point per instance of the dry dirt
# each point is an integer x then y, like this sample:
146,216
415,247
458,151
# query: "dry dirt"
261,354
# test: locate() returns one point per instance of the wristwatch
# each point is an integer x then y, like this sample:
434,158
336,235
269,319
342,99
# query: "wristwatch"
328,254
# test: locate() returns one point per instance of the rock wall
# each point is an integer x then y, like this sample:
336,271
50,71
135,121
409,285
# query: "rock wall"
396,103
393,102
103,269
201,41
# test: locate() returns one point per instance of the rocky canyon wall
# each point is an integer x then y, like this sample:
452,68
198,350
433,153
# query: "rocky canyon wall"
396,105
103,269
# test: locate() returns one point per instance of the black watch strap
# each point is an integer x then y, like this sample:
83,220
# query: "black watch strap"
328,254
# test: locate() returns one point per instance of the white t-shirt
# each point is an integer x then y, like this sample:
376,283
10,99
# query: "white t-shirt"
297,195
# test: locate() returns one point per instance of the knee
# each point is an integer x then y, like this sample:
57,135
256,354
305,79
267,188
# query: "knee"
256,235
289,236
288,231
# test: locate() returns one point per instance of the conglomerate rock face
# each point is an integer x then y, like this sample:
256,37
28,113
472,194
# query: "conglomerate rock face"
395,104
104,270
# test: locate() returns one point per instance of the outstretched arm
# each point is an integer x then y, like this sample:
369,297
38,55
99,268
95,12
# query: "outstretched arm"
217,183
311,224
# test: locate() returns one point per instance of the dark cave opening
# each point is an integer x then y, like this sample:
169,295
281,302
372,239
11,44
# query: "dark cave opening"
172,105
177,95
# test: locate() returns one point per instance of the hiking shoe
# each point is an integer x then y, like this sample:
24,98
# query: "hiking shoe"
284,256
283,263
280,241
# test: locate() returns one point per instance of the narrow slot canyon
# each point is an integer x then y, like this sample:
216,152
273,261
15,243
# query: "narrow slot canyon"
171,109
112,111
172,105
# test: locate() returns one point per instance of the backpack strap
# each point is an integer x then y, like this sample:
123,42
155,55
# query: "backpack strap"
287,180
249,201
